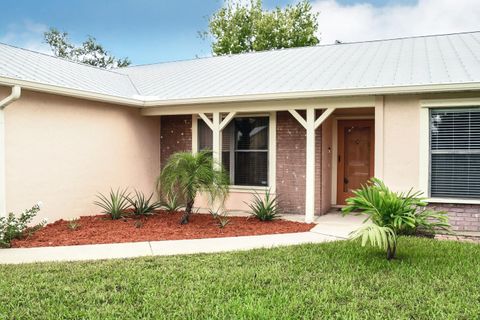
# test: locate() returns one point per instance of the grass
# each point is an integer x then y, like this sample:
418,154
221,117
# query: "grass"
340,280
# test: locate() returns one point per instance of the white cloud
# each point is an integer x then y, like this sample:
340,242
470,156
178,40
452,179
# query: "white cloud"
26,34
363,21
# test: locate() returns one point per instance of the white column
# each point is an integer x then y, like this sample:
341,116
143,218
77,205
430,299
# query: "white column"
310,124
217,139
310,167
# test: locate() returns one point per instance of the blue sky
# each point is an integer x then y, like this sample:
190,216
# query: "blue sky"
149,31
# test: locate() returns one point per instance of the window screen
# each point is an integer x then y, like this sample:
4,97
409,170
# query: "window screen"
244,149
455,153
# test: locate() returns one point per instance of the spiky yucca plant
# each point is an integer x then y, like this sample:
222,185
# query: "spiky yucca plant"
142,205
190,174
115,204
391,214
264,208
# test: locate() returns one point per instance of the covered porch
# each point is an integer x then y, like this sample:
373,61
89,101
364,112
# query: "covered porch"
300,161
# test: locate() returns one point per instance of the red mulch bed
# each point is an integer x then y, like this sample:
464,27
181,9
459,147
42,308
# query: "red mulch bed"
161,226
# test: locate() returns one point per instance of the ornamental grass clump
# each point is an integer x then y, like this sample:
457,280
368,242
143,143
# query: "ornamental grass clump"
189,174
115,204
12,227
392,214
264,208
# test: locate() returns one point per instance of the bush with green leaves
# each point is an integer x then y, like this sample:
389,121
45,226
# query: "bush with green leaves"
115,204
392,214
141,205
12,227
266,207
190,174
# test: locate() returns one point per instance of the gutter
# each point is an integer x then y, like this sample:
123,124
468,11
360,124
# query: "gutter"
14,95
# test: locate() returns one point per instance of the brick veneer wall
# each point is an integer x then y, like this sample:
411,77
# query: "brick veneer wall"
175,135
291,153
463,217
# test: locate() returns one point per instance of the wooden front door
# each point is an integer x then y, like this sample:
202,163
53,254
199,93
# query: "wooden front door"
355,156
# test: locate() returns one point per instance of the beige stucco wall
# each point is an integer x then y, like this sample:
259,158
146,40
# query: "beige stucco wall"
401,142
62,151
401,137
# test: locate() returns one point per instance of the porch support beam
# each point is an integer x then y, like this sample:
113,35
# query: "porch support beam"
299,118
310,124
216,124
323,117
206,120
227,120
217,140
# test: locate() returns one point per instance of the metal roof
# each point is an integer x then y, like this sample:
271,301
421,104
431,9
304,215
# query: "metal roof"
414,61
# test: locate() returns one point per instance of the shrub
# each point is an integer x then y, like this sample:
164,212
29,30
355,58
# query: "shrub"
12,227
190,174
392,214
266,208
171,203
142,205
115,205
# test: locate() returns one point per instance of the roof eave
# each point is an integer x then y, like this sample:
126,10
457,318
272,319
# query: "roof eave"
414,89
139,103
69,92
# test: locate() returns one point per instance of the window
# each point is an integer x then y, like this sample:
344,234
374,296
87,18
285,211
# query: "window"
455,153
244,149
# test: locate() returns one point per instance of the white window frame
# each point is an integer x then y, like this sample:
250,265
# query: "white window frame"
272,150
424,148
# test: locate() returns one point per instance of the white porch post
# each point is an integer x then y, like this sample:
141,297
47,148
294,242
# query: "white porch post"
310,167
310,124
217,140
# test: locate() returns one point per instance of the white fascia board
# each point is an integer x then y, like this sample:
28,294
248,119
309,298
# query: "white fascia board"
320,94
69,92
152,101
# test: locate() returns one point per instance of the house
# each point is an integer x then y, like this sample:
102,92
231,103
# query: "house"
311,124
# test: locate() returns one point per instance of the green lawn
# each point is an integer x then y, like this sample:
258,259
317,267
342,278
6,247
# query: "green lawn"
429,280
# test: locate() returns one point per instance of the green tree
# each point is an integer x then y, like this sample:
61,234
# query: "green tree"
392,214
238,28
188,174
89,52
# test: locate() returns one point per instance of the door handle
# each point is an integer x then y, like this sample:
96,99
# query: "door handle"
345,180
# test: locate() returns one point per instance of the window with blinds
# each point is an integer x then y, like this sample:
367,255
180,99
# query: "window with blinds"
455,153
244,149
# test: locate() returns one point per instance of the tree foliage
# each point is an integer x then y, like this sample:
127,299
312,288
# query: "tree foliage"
89,52
189,174
238,28
392,214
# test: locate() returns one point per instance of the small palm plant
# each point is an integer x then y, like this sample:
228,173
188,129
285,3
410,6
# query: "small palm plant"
190,174
115,204
392,214
142,205
264,208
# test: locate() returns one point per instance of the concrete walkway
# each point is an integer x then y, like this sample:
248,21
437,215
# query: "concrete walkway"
329,228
